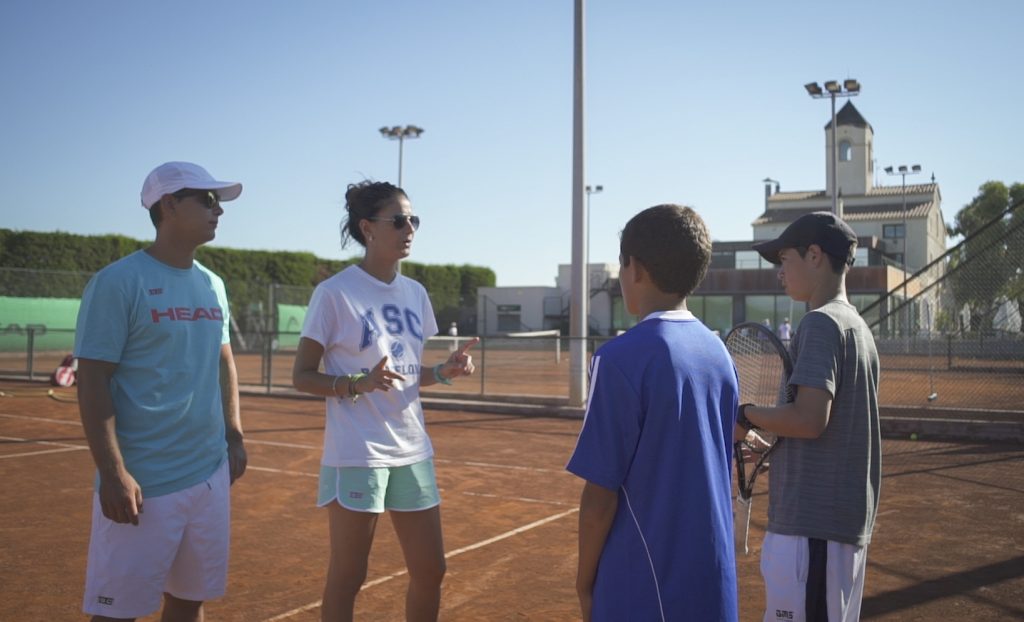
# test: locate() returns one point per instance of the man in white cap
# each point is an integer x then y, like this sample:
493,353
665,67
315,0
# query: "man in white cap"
158,398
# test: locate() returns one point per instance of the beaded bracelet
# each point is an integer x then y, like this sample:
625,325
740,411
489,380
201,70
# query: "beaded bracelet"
438,377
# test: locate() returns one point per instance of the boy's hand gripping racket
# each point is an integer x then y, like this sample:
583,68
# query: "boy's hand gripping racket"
763,367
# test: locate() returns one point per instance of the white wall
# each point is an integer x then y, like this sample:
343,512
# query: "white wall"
529,299
532,299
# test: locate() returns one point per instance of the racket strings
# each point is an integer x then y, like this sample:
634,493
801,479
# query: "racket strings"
762,366
761,372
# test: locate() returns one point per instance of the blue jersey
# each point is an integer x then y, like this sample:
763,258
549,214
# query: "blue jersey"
658,430
164,328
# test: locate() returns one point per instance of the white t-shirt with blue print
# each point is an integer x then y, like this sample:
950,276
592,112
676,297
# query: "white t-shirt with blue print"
164,328
358,320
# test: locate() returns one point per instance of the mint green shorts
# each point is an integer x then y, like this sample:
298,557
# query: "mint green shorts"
374,489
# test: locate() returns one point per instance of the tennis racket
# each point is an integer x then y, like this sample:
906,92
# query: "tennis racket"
763,366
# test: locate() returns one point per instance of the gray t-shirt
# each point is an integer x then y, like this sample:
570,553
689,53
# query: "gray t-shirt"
827,487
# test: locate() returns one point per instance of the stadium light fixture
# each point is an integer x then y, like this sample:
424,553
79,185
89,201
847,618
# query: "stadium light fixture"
834,89
400,133
813,89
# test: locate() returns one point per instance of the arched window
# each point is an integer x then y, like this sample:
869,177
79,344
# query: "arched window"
845,151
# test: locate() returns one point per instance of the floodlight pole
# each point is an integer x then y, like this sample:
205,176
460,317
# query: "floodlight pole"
578,281
400,133
903,170
834,89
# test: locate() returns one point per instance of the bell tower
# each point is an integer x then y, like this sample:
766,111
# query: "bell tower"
856,165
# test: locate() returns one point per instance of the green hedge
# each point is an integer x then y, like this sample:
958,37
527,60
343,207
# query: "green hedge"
247,274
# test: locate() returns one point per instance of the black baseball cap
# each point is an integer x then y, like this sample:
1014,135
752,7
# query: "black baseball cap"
825,229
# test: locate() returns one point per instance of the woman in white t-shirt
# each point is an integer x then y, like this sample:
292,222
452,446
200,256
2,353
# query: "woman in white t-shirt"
368,325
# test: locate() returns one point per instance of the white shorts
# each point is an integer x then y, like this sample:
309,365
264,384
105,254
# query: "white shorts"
180,546
811,580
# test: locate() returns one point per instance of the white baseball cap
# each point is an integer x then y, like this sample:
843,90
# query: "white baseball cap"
171,177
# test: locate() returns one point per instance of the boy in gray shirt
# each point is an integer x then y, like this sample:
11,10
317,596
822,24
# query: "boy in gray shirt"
825,475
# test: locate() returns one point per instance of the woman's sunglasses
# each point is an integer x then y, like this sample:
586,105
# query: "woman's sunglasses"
400,221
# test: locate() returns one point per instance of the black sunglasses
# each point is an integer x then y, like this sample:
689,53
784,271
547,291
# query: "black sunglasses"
400,221
208,198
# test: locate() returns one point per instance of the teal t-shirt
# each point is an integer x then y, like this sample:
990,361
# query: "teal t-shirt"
164,328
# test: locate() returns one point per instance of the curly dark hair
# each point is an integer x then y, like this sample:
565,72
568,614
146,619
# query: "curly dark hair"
365,200
673,244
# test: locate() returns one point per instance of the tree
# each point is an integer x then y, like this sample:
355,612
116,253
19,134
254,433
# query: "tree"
988,269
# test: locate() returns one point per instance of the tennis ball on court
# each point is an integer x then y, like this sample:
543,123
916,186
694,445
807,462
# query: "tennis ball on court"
913,436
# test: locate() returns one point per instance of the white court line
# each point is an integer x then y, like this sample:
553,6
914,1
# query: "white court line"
250,441
524,499
285,472
60,421
39,453
64,447
512,467
472,494
35,442
465,549
509,534
488,465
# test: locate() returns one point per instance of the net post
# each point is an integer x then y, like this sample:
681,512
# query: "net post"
949,352
483,362
270,333
30,354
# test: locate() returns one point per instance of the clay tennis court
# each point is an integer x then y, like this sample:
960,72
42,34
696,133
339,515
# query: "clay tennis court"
948,544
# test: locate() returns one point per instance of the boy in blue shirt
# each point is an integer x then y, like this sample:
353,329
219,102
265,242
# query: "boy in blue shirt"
655,532
158,398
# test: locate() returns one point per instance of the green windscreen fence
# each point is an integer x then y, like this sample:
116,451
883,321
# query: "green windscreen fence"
289,325
51,320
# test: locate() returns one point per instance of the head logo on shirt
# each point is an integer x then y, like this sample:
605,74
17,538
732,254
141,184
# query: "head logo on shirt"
187,314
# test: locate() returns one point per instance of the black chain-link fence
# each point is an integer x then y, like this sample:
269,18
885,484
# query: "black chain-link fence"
950,335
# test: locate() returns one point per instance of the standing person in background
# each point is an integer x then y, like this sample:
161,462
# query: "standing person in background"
826,471
367,325
158,397
656,526
785,331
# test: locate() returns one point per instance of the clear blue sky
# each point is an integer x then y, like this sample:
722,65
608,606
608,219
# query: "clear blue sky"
687,102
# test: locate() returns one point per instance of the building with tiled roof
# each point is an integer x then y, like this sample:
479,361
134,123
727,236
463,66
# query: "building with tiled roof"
889,214
740,285
889,220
